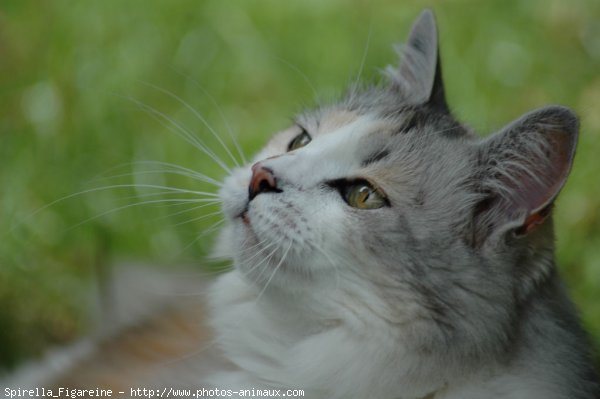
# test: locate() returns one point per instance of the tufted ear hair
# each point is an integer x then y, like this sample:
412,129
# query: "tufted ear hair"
419,76
521,170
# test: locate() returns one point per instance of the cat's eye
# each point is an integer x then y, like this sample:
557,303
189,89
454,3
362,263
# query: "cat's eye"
360,194
299,141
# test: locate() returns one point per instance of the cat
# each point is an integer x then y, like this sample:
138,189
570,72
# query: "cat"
382,250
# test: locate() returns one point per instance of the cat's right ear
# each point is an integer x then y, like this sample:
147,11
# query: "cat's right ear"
521,170
419,76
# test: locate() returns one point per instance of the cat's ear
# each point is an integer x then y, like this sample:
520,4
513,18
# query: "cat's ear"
419,76
521,170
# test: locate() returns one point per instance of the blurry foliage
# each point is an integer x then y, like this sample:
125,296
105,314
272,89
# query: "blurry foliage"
73,75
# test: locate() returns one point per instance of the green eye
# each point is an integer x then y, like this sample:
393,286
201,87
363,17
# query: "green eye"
299,141
363,195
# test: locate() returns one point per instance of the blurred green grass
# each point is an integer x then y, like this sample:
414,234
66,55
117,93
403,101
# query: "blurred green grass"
71,73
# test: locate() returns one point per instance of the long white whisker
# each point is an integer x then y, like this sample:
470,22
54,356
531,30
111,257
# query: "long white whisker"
302,74
365,53
251,248
103,188
193,176
191,172
175,202
209,230
199,218
218,108
120,208
155,172
181,131
283,258
194,208
156,186
197,115
180,201
263,249
265,259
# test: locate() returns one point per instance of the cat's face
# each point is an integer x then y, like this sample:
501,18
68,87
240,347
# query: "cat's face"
343,188
386,193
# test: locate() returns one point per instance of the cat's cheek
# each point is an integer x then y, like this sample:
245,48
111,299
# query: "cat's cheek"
261,220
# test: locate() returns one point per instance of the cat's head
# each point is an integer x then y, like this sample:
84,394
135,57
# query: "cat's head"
386,194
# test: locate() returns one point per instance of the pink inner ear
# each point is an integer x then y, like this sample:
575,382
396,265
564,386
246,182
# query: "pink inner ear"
529,162
534,220
549,171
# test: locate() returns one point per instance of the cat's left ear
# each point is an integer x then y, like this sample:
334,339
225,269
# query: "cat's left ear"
521,170
419,76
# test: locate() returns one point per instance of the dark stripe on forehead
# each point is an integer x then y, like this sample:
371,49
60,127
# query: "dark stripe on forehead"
416,118
412,120
375,157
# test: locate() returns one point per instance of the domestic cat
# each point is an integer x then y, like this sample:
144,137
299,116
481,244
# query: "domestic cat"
382,250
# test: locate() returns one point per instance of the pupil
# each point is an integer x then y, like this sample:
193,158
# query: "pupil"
364,193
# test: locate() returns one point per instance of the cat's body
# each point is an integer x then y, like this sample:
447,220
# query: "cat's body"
382,250
444,286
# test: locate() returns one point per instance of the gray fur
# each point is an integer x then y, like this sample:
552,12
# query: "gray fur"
488,295
490,298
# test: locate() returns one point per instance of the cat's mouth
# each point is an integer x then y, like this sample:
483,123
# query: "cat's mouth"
244,214
245,218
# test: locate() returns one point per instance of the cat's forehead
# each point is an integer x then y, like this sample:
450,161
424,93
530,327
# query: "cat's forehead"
373,128
347,125
381,125
351,123
323,121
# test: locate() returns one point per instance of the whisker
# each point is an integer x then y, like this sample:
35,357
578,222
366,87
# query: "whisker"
181,131
168,190
183,172
263,249
176,201
365,52
192,173
154,172
212,228
220,111
199,218
209,230
299,72
266,261
194,208
197,115
283,257
250,248
120,208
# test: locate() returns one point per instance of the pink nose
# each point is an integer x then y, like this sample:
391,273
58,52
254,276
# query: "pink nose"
263,181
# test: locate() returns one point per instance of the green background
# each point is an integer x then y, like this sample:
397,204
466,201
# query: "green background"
74,73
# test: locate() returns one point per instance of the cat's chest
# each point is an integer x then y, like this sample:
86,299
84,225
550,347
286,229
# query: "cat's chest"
330,358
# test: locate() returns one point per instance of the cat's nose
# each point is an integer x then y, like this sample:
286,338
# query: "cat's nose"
263,181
